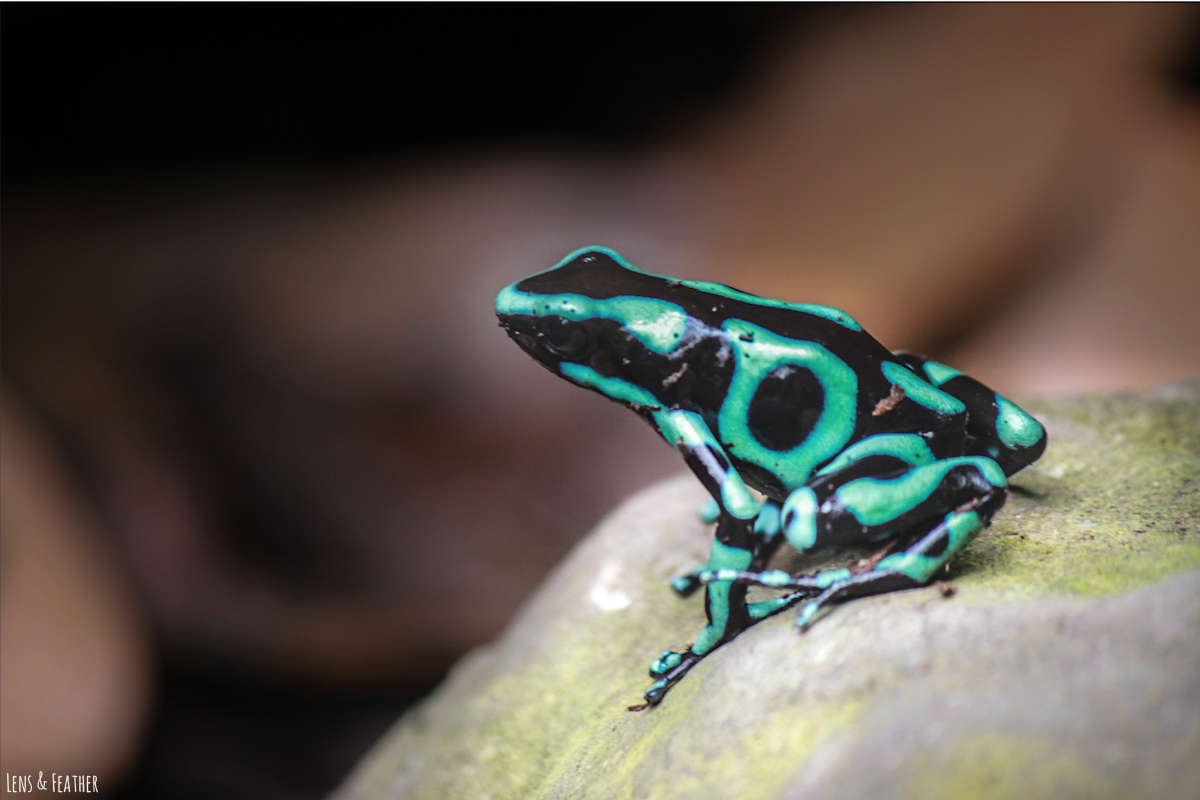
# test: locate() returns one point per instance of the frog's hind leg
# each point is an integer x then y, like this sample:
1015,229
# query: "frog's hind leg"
931,510
996,427
915,565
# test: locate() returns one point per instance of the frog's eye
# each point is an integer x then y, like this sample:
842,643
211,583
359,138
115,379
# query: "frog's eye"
566,339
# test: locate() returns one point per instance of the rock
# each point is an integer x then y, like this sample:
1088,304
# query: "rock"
1066,665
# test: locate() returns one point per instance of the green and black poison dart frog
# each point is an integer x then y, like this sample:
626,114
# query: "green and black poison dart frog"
851,445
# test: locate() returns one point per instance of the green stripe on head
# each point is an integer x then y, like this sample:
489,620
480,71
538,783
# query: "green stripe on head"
660,325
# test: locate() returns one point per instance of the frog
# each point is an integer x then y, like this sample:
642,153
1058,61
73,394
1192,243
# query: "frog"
801,426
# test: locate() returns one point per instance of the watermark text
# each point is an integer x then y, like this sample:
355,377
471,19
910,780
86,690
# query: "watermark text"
57,782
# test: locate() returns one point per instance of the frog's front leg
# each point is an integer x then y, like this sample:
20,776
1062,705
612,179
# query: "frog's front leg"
735,547
729,496
745,539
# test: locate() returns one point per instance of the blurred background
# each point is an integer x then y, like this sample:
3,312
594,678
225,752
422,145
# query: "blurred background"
269,466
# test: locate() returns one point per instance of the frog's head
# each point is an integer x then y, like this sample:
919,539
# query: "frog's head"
595,320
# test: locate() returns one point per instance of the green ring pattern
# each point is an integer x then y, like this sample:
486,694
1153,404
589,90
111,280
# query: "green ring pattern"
757,352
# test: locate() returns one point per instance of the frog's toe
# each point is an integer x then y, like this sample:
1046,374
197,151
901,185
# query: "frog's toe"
876,581
807,612
668,676
685,585
656,692
667,660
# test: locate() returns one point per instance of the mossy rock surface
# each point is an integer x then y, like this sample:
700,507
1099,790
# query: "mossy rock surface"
1066,665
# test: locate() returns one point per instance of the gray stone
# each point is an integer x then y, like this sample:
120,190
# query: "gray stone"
1066,664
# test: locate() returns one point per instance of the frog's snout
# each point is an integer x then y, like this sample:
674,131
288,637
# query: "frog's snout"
521,331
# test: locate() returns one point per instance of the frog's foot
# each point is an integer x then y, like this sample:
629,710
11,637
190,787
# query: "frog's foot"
667,660
669,668
876,581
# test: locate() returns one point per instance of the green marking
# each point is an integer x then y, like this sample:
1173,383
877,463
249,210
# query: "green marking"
908,447
719,575
767,523
710,510
722,557
608,251
666,661
725,557
827,579
688,428
612,387
774,577
765,608
755,359
961,528
921,391
1016,428
807,613
737,498
658,324
940,373
828,312
800,510
681,582
874,502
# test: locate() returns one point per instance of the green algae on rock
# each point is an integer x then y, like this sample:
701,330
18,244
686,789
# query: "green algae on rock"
1065,666
1112,505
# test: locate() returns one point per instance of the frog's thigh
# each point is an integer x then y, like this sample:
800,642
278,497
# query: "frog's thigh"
880,495
997,427
918,563
978,482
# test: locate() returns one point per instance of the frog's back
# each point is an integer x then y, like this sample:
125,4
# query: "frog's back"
785,386
602,274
